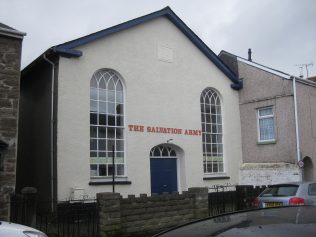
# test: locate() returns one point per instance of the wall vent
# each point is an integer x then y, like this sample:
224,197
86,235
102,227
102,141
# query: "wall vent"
77,194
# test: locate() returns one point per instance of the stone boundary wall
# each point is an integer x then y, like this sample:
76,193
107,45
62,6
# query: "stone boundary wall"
143,216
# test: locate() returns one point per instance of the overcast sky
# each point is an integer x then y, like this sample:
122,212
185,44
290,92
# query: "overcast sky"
281,33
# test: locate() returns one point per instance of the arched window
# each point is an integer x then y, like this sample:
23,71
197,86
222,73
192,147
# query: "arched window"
212,131
106,124
162,152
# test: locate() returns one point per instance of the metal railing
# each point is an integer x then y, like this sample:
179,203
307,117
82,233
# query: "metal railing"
230,198
70,219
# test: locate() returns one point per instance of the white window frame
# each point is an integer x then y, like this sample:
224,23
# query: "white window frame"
216,157
98,75
260,117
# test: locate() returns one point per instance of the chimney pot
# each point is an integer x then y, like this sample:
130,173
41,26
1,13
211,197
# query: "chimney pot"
249,55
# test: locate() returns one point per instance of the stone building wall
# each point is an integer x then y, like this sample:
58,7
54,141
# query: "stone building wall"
138,216
10,58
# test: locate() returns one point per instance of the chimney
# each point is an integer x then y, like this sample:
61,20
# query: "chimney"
249,55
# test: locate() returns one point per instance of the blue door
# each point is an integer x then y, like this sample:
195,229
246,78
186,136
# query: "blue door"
163,175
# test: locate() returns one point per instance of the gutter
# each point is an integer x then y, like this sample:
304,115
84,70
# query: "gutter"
52,130
12,33
68,53
237,85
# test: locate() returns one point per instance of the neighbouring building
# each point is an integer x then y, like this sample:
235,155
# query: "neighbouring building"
274,140
10,60
150,90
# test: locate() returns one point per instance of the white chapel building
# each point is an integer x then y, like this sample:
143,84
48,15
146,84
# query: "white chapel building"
148,92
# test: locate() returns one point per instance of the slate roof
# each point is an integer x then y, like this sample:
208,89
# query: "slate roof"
9,31
258,65
310,81
5,26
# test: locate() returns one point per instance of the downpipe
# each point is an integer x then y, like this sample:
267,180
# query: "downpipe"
298,150
52,131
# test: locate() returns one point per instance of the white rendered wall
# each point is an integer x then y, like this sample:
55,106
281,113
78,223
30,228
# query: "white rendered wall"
163,93
262,174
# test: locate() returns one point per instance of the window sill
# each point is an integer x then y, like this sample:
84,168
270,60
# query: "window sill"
266,142
215,177
108,181
94,183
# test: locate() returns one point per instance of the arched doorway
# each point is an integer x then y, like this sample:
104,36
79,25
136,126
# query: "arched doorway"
163,169
308,172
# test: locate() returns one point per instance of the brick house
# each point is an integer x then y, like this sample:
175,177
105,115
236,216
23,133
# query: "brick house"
10,59
278,123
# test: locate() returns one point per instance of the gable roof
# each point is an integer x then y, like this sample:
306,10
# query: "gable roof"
68,49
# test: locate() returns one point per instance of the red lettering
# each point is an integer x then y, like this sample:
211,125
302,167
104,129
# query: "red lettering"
136,128
191,132
150,129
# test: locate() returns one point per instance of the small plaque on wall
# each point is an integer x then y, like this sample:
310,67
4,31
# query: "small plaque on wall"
165,53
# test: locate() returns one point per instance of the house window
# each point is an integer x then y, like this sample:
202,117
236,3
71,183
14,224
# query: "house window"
266,124
212,131
106,124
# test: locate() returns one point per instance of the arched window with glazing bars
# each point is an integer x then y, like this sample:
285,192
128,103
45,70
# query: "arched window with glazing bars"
162,151
106,124
212,131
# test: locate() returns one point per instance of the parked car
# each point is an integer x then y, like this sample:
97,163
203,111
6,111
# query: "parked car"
8,229
290,221
287,194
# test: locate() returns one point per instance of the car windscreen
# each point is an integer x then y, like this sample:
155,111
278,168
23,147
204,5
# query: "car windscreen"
285,221
280,191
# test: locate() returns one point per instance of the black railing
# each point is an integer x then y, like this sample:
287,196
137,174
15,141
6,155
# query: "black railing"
246,195
230,198
69,219
78,219
222,199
